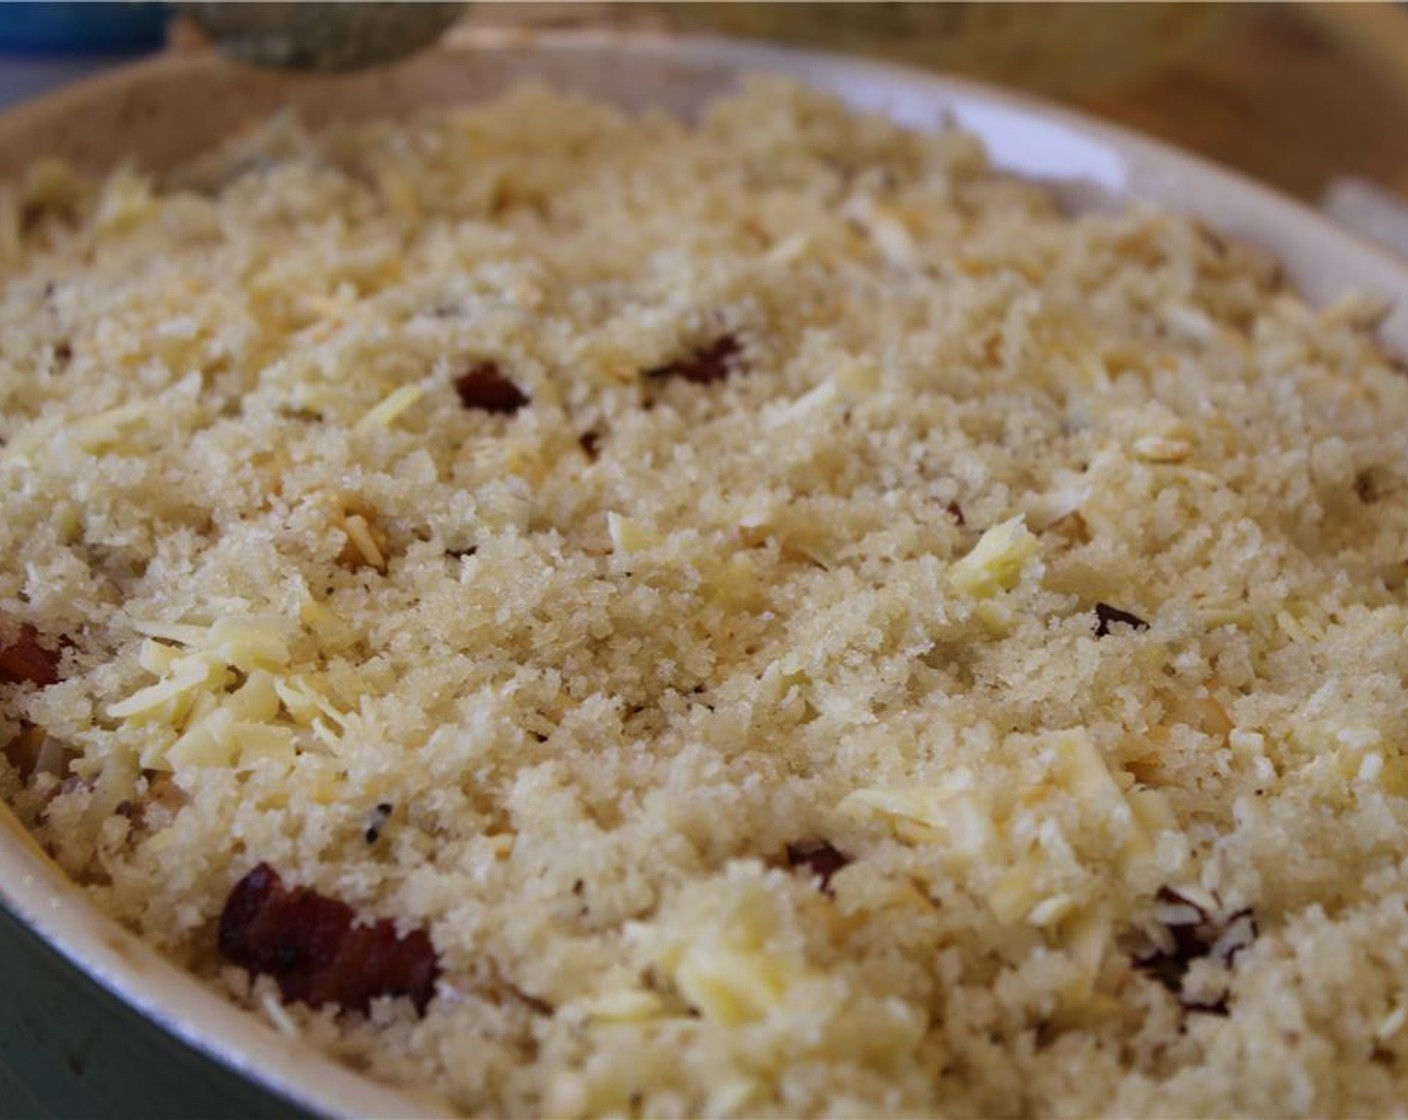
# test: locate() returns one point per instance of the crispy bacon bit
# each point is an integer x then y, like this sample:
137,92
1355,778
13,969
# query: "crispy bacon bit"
1194,933
1106,615
25,661
485,388
316,954
707,365
819,858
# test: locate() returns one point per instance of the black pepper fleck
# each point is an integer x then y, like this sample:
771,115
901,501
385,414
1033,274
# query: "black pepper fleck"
379,816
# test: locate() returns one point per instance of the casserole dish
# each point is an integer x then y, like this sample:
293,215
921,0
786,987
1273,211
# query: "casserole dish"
163,112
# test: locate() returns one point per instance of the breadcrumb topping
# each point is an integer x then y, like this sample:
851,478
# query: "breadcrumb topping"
798,623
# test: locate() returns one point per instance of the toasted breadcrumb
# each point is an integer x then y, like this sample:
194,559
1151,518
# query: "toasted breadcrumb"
831,586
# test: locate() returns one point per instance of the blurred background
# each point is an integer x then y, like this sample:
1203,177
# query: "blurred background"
1297,95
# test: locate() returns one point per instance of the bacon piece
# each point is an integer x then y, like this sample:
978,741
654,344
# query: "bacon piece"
705,366
819,858
484,387
316,954
25,661
1106,615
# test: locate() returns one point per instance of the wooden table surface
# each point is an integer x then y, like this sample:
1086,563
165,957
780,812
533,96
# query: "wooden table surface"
1298,95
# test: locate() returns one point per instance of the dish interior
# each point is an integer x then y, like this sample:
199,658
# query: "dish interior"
169,110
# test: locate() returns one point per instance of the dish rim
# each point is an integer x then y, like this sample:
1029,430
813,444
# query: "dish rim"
38,895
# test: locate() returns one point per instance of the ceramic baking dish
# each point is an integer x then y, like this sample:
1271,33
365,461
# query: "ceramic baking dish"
163,111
